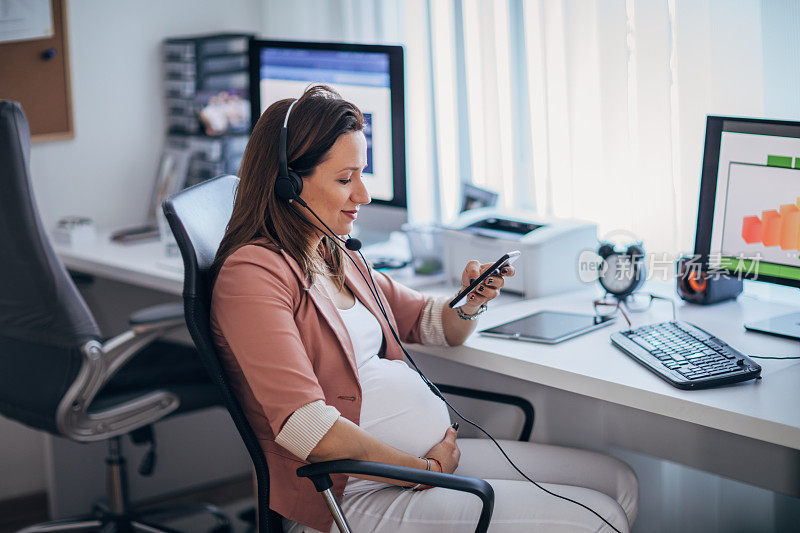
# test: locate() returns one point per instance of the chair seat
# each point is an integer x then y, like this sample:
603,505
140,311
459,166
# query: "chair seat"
193,396
166,366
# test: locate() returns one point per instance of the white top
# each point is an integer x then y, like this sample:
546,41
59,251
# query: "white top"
396,406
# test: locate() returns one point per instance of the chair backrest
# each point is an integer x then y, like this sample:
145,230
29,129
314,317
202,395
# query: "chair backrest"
43,318
198,217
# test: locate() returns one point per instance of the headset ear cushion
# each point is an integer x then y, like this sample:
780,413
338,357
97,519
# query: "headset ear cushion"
285,189
297,182
635,251
605,250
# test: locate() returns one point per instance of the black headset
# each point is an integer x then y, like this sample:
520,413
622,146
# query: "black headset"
288,187
289,184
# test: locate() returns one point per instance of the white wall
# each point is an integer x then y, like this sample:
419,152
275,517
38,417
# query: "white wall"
107,170
780,21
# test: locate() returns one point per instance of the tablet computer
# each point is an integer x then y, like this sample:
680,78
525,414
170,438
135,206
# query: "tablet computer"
548,327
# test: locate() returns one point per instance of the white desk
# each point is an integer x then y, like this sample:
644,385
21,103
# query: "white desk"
589,365
145,264
587,394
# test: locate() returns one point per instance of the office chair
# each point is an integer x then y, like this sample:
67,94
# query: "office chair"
198,217
58,375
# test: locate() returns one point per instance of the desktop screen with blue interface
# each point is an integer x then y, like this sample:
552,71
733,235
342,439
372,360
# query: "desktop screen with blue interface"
360,77
756,221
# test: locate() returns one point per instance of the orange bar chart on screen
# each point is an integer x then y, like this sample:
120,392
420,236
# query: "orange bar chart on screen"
751,230
798,231
771,227
790,224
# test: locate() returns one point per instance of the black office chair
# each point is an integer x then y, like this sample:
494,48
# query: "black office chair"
198,217
58,375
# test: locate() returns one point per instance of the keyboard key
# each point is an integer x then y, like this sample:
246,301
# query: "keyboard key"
642,342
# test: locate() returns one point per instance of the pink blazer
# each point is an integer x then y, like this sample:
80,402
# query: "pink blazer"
284,345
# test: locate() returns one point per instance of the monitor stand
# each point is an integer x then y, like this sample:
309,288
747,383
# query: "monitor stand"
787,326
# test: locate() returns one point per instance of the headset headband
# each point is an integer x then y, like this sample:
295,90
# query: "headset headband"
283,162
288,112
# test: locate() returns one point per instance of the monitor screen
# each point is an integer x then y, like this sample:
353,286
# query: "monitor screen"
749,218
370,76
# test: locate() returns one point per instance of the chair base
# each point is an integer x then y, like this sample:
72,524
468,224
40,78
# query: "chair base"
117,515
106,522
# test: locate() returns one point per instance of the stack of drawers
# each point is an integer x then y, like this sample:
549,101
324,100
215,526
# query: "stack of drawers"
206,96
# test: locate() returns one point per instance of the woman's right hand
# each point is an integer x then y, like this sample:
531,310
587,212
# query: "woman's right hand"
446,452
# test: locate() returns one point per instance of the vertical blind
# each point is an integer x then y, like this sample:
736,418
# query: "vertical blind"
590,109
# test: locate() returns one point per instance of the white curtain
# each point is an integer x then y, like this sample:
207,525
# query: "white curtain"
591,109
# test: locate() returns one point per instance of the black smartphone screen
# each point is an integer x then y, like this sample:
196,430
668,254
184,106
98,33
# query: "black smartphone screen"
507,259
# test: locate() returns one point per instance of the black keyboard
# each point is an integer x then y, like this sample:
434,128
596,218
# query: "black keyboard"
686,356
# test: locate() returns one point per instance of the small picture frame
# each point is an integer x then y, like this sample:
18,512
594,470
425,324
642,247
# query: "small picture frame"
170,177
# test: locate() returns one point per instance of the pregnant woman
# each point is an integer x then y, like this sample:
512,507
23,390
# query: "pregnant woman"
320,375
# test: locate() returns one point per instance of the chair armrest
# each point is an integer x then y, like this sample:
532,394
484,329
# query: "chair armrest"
522,403
99,364
157,316
319,473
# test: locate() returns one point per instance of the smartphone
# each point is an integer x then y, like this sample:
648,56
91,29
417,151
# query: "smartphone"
507,259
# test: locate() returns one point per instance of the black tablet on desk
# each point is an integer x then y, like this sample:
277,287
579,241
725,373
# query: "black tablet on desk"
548,327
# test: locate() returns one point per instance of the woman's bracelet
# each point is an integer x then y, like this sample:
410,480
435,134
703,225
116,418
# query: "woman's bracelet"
464,316
420,486
441,470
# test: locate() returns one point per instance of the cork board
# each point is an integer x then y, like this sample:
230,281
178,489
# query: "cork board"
35,73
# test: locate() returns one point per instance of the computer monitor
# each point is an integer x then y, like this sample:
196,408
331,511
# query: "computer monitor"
370,76
748,223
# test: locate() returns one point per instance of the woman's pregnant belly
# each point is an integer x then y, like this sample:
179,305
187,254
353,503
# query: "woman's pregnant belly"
399,409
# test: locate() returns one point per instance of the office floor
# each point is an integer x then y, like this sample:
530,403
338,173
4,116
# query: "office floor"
204,523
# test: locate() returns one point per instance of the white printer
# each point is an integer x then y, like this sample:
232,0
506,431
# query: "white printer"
550,248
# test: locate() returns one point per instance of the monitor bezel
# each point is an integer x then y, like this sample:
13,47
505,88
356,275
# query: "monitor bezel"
397,100
708,191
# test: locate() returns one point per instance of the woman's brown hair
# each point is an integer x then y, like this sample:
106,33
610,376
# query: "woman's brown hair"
317,120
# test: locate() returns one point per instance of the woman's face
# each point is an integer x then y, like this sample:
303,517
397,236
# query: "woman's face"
335,189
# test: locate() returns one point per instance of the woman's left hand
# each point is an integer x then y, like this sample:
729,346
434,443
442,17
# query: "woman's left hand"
487,290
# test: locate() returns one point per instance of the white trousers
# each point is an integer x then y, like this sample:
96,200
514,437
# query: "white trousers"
604,484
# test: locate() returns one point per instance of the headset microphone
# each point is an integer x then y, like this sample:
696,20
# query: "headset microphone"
352,244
